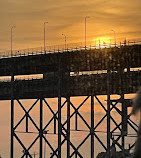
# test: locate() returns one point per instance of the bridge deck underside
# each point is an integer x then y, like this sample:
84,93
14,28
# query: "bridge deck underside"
82,85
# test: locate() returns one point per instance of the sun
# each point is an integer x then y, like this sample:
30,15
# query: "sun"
103,42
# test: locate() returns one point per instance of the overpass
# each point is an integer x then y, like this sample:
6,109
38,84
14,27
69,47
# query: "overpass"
68,74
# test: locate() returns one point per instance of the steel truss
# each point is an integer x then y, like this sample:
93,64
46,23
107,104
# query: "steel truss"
64,129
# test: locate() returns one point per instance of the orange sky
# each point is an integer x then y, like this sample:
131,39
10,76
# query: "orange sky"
67,16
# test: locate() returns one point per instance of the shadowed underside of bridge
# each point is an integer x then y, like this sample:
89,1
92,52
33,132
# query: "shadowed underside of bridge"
109,71
79,85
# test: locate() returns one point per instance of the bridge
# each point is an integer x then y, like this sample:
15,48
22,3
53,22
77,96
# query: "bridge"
87,72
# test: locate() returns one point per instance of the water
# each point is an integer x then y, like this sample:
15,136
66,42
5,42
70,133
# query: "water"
76,136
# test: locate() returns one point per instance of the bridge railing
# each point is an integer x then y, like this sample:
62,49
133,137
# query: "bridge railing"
69,47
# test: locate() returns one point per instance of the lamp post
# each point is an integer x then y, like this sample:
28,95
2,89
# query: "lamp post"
65,41
34,154
45,36
114,36
86,30
12,39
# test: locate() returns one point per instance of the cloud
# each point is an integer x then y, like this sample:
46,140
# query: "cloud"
67,17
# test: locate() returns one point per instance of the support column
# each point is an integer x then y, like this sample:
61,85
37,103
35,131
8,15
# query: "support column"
108,126
76,121
59,127
59,109
68,127
12,128
108,113
124,122
26,155
76,128
12,118
26,122
41,128
54,124
124,112
92,127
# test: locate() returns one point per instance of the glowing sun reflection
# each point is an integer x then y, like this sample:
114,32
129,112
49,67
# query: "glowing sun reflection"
104,42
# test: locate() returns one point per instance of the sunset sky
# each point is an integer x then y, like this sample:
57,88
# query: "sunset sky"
67,16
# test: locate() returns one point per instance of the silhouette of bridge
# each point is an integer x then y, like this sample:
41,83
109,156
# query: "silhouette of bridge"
87,72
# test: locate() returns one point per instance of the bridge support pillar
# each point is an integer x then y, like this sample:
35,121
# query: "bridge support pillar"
12,129
12,118
92,127
108,126
41,128
108,113
68,127
59,127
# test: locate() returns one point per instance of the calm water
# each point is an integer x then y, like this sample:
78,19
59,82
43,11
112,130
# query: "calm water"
76,137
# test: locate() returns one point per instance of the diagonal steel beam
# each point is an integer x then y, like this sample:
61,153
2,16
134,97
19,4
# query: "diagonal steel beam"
25,114
53,117
80,144
22,145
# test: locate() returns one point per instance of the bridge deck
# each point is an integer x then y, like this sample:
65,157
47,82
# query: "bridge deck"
82,85
56,69
85,60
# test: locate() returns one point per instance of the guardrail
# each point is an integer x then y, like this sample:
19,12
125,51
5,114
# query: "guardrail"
70,47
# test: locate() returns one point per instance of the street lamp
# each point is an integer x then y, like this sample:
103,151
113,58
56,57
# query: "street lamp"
12,39
34,154
45,36
65,41
85,29
114,36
